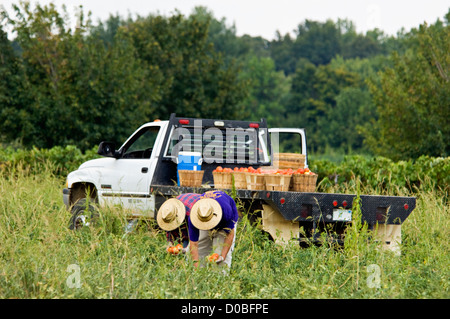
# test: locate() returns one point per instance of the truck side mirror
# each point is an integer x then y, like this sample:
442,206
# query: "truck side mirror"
107,149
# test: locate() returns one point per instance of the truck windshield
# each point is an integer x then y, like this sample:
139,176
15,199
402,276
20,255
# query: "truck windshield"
219,145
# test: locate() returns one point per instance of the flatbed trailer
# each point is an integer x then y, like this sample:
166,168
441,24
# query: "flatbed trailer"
283,213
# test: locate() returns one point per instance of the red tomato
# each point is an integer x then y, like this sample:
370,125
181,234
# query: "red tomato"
213,257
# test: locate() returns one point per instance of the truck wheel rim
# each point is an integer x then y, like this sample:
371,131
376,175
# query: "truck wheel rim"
81,221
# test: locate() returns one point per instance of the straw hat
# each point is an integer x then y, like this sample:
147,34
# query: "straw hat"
171,214
206,214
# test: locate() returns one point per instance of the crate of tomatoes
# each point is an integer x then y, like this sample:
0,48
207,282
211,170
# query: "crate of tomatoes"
255,179
278,180
222,177
265,178
303,180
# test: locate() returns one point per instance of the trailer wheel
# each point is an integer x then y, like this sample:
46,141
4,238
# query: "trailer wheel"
83,214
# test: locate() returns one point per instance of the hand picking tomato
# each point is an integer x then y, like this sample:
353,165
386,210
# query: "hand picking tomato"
213,257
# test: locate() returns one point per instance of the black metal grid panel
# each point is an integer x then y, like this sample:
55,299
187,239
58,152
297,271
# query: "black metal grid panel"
166,169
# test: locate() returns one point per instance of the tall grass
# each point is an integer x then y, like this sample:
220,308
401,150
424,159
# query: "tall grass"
41,258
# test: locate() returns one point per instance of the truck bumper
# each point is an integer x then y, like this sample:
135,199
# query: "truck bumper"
66,194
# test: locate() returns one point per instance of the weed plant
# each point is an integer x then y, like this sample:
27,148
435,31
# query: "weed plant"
41,258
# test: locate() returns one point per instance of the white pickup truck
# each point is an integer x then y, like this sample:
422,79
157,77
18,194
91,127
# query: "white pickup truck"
142,173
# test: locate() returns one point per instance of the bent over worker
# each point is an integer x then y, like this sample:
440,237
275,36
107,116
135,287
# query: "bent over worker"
172,216
212,227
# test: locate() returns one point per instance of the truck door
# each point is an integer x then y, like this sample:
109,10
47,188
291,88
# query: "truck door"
288,140
126,182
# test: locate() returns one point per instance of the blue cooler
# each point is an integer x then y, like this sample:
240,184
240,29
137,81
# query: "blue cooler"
191,161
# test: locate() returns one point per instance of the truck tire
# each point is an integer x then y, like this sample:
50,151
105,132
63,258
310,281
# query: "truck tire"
83,214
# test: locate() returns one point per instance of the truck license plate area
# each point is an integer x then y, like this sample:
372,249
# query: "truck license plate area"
344,215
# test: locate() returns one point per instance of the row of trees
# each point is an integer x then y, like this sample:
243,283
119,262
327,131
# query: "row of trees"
352,92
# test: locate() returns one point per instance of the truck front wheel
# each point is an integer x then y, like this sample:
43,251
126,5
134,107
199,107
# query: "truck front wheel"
83,214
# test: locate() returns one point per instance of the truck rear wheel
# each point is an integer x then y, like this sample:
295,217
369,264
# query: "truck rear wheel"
83,214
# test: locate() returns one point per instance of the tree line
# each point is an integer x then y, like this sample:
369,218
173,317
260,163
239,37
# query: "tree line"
69,81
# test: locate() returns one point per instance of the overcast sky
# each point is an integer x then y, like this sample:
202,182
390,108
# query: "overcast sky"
264,18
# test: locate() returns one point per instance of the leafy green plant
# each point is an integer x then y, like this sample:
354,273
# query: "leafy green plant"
385,175
41,258
59,160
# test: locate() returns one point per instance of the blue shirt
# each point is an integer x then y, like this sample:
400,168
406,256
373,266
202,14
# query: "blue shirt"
229,214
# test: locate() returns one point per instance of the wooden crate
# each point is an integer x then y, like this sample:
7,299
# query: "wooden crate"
304,183
289,160
240,180
255,181
277,182
190,178
222,180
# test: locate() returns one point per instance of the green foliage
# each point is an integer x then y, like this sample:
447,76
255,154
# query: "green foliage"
39,254
313,102
58,160
317,42
413,100
268,89
78,90
81,86
194,80
384,175
64,85
12,92
321,42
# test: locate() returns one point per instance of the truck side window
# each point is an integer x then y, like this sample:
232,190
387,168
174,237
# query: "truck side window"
290,143
141,145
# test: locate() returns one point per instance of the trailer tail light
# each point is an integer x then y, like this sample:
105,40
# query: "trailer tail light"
344,203
183,122
335,203
282,201
306,211
381,214
406,206
254,125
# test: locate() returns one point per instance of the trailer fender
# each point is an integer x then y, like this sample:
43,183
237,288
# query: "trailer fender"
282,231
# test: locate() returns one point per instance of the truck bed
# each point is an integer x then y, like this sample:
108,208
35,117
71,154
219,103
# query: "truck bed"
314,207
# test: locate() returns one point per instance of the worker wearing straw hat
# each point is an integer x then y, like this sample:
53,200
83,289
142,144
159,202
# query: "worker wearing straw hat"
172,218
212,224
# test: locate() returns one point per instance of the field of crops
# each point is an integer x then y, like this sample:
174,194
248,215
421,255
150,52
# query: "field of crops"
41,258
